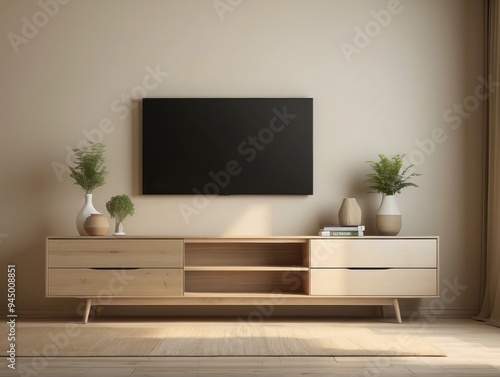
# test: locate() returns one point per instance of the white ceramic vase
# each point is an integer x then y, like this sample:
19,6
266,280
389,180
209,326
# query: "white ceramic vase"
119,229
86,211
388,219
349,212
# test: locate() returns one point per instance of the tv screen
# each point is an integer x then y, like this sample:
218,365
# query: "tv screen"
225,146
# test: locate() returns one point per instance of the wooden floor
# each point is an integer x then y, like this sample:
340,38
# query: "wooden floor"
473,349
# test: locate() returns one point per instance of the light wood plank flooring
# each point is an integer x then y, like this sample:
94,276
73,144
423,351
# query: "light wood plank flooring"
473,349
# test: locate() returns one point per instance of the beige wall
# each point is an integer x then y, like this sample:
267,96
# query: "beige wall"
411,86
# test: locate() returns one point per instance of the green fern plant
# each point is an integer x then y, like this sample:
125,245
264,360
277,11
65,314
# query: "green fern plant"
119,207
89,171
388,175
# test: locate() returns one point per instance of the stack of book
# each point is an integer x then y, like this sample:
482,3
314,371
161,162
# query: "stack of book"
328,231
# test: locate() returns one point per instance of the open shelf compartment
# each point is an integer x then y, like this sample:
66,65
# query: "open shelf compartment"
244,254
247,267
258,282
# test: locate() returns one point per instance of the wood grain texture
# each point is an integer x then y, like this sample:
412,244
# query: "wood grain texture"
242,338
115,283
387,282
360,252
114,253
471,347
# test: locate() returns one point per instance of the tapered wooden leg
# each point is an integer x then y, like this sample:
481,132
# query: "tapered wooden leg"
395,303
87,310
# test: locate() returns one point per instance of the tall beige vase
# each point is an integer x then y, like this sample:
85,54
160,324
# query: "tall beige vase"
388,219
349,212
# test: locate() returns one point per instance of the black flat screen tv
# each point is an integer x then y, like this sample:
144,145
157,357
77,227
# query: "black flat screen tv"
227,146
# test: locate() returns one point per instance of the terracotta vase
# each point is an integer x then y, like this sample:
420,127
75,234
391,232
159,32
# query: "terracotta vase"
96,225
349,212
86,211
388,219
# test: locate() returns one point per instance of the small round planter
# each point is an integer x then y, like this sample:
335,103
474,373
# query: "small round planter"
119,229
96,225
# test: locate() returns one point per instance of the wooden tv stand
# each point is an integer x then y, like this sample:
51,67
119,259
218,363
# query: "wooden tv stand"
242,271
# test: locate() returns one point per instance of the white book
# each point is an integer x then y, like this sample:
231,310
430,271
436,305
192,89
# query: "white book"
337,228
329,233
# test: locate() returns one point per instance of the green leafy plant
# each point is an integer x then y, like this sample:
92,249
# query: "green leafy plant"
119,207
90,171
388,175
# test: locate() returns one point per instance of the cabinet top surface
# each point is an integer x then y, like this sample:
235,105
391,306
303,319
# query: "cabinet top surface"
238,238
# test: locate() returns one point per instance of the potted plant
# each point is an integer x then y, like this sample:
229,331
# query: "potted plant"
89,173
389,178
119,208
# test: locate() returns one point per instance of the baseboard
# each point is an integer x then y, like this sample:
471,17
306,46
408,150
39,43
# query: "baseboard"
424,312
46,312
71,311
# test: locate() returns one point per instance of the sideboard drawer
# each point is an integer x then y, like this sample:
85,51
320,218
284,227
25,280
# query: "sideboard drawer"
372,282
394,253
115,253
115,283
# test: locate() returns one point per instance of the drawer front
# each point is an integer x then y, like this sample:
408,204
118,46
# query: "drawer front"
404,253
114,283
392,282
114,253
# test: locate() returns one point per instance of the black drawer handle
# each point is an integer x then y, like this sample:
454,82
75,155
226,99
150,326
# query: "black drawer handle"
115,268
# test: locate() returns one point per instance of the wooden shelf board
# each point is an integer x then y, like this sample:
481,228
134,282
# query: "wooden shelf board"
270,239
245,268
239,294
